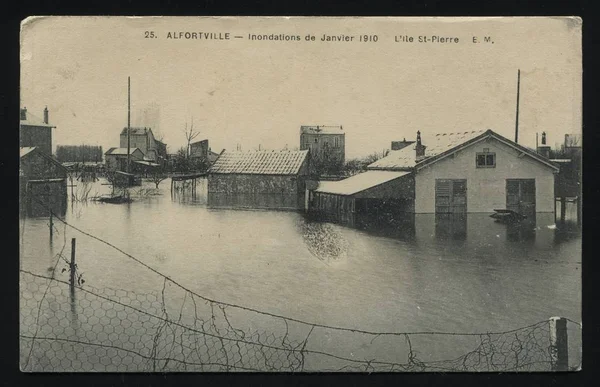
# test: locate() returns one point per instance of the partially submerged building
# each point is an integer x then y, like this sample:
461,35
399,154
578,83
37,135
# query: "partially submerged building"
273,179
459,173
42,183
116,158
200,152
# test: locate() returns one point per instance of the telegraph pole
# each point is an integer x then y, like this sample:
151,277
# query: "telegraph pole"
517,119
128,123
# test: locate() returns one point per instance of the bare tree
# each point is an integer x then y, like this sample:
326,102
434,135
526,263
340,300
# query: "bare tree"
157,176
190,134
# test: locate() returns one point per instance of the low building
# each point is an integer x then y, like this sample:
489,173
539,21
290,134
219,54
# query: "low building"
116,158
35,132
259,179
42,183
459,173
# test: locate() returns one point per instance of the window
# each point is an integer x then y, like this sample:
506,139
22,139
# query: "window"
486,160
335,142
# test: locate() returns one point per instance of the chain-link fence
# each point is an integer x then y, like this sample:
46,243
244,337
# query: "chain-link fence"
83,328
70,326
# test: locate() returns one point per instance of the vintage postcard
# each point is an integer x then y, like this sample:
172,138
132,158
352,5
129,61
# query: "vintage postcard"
300,194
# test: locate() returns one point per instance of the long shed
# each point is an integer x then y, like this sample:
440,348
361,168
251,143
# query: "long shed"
273,179
359,199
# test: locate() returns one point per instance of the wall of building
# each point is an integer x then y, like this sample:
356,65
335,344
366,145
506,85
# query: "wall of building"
144,142
36,136
35,166
486,187
318,149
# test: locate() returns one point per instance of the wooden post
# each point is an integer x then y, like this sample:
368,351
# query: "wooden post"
563,208
559,344
72,264
51,226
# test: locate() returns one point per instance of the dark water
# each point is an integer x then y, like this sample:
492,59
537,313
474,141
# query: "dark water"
471,276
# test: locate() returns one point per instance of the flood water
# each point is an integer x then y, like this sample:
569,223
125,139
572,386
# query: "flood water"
477,276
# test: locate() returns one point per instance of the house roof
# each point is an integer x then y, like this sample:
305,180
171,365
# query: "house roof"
33,120
358,183
281,162
443,145
26,151
136,130
321,129
120,151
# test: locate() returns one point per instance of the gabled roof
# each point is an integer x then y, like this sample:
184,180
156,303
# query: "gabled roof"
136,130
283,162
321,129
444,145
359,182
441,153
33,120
26,151
120,151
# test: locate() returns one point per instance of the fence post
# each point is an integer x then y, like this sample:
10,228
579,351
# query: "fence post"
563,208
51,226
72,264
559,344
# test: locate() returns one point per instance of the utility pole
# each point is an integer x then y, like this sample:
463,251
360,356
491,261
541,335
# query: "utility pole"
128,123
517,119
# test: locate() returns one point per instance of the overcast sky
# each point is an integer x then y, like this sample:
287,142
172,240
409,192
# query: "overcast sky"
260,92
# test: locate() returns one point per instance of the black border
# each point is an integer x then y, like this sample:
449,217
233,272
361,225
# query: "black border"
11,374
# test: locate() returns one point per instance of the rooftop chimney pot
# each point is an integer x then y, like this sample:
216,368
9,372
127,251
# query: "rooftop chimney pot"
46,115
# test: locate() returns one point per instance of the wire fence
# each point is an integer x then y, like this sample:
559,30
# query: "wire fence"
70,326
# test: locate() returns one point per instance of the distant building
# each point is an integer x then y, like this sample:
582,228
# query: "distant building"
35,132
327,145
42,183
461,172
397,145
259,179
143,139
116,158
200,150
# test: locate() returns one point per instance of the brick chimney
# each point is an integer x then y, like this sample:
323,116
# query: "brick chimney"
46,115
419,148
24,113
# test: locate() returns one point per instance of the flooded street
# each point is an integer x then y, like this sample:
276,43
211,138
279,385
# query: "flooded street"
476,277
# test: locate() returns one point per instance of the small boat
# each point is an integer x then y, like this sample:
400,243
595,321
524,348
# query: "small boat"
507,216
114,199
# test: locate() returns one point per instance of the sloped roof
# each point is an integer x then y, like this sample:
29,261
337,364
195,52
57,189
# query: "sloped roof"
405,158
136,130
445,144
33,120
120,151
25,151
321,129
281,162
358,183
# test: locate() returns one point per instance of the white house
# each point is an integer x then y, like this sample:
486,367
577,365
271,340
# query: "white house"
459,173
474,171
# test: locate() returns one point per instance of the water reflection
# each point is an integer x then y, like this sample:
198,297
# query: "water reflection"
451,226
322,240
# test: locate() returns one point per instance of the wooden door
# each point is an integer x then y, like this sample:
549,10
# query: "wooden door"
520,196
451,196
